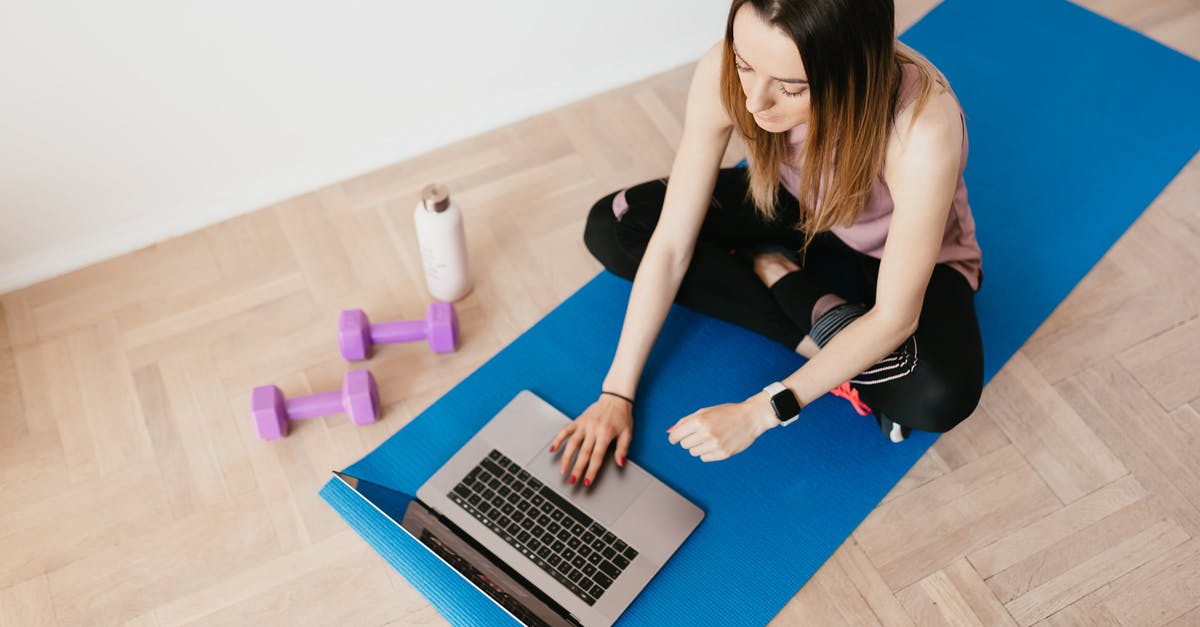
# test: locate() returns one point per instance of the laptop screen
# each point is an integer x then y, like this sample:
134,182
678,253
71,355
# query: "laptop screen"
462,553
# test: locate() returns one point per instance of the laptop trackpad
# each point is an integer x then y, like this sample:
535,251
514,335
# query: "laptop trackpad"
609,496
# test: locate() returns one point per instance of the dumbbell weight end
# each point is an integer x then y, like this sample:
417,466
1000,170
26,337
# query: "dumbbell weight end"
269,412
354,335
440,328
357,336
359,399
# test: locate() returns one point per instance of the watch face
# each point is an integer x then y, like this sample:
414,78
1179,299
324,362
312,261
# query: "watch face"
786,406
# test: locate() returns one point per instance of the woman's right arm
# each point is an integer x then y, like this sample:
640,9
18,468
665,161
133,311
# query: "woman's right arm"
706,134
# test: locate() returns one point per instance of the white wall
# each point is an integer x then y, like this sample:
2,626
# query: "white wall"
126,122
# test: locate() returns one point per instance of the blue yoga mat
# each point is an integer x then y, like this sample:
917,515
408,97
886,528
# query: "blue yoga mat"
1076,124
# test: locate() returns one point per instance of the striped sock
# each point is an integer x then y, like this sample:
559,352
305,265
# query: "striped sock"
834,321
898,364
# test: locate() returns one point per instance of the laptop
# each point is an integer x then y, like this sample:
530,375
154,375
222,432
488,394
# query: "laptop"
547,552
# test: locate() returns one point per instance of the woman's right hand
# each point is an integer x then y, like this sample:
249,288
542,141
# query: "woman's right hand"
609,418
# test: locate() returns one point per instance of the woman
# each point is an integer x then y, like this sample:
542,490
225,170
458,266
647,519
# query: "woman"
848,238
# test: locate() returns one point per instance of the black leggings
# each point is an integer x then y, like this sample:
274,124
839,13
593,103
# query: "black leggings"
940,391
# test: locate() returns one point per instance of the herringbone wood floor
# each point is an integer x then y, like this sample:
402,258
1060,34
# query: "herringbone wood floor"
133,489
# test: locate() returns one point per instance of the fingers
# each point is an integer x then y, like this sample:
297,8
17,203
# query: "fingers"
584,443
694,439
562,435
691,432
568,455
705,447
597,460
585,454
682,429
622,451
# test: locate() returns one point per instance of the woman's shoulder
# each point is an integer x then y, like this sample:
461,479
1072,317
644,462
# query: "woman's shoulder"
937,112
704,105
928,135
711,61
708,69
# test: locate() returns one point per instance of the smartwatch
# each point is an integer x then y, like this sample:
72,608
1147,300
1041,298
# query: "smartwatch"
783,401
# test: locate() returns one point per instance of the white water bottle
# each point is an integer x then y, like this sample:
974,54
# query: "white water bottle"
443,244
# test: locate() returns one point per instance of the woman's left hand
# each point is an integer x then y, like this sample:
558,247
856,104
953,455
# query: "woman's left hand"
721,431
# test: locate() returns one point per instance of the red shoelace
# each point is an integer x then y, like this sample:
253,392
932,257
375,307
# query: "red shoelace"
845,391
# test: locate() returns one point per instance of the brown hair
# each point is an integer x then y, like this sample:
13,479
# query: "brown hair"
852,58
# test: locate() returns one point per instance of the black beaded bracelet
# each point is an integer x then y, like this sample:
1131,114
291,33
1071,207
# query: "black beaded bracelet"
620,396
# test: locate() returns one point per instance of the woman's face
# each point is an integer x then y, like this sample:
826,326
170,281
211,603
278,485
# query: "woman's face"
771,72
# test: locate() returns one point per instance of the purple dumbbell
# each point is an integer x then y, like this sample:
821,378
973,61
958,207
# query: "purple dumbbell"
356,334
358,398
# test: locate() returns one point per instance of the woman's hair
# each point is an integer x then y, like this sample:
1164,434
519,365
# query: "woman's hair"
852,58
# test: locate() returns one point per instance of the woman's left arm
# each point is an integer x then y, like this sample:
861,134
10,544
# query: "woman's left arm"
921,171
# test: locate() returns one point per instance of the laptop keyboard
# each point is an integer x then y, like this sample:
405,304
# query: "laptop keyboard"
565,542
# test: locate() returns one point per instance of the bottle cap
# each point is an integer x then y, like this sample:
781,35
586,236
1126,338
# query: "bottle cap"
436,198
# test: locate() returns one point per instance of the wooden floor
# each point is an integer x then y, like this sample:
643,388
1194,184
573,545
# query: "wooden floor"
133,489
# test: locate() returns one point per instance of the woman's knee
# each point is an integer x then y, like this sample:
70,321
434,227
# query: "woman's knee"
620,224
601,234
943,401
600,225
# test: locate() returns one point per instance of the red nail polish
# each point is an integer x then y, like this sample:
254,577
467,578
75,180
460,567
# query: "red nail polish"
552,447
586,482
572,481
621,461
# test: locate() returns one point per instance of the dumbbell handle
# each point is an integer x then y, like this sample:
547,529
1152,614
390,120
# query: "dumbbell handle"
399,331
315,405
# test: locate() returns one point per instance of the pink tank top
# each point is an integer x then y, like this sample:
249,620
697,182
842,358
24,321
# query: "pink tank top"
959,248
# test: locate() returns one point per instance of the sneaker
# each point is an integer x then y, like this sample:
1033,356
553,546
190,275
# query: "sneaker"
892,430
